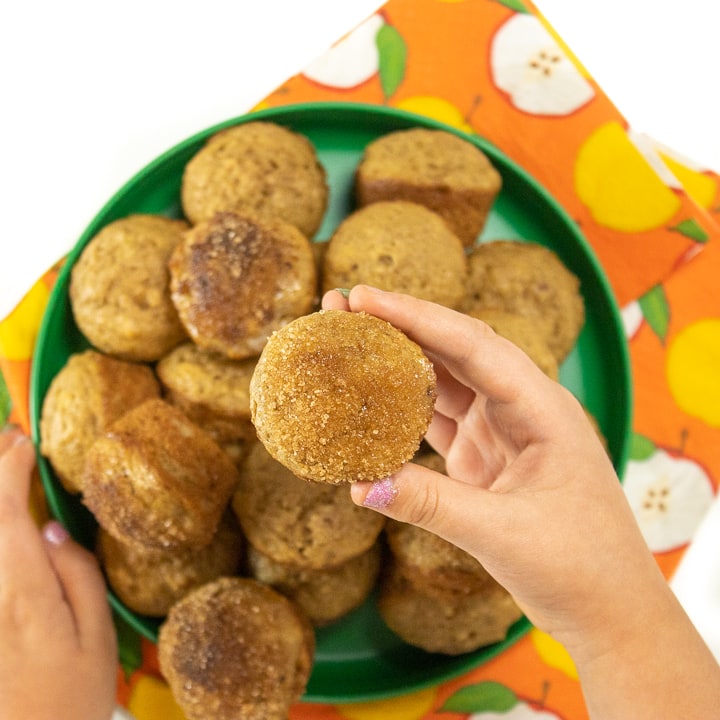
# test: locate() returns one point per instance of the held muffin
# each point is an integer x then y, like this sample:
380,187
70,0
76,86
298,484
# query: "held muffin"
310,525
156,479
119,288
398,246
340,397
151,580
260,168
235,649
235,279
89,393
435,168
530,280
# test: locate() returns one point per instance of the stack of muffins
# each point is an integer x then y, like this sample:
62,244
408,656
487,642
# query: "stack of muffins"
152,427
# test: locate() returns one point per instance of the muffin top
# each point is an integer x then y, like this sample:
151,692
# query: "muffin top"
340,397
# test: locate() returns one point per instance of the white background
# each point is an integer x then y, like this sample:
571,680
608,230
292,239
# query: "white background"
92,91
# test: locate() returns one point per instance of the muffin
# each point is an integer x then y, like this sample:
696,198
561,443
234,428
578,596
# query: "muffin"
89,393
530,280
340,397
450,623
150,581
213,391
434,168
523,332
259,168
235,649
309,525
325,594
399,246
235,279
155,479
119,288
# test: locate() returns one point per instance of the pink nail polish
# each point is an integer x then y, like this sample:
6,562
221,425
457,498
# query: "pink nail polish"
381,494
55,533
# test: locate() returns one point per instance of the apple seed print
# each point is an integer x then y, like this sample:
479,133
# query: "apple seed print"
538,77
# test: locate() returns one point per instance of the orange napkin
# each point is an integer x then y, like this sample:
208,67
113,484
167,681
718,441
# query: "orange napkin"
497,68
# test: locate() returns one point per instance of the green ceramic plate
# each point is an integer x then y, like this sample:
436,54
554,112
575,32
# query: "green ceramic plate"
358,658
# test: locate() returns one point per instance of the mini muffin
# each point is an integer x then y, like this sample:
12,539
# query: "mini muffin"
433,564
523,332
157,480
340,397
399,246
453,623
213,391
235,279
527,279
299,523
235,649
119,288
89,393
327,594
259,168
151,580
435,168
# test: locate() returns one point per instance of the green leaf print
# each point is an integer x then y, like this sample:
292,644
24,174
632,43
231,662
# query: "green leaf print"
392,53
129,646
691,228
5,402
515,5
641,447
656,310
482,697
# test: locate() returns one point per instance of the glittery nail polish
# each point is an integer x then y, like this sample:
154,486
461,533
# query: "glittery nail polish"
381,494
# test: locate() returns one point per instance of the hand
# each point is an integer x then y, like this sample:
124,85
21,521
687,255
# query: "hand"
58,654
532,494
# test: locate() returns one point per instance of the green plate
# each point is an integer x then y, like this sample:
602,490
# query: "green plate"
358,658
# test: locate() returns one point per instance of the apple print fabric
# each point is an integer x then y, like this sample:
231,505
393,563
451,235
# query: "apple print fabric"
496,68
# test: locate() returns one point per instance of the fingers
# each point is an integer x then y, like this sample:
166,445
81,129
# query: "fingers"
79,576
17,459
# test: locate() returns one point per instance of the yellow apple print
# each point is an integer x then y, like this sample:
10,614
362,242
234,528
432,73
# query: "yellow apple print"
436,108
693,370
19,329
152,699
634,200
406,707
700,186
553,653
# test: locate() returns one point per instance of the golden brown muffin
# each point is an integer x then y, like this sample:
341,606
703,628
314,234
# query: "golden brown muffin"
89,393
433,564
157,480
339,397
435,168
326,594
523,332
300,523
236,649
214,392
236,279
398,246
150,581
259,168
119,288
530,280
452,623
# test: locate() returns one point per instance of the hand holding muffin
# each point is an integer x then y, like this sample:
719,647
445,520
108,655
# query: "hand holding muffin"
530,492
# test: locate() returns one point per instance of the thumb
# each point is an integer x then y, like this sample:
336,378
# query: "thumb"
82,582
464,515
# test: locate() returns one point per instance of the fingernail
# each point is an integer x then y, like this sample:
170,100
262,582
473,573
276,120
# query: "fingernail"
55,533
344,292
8,428
381,494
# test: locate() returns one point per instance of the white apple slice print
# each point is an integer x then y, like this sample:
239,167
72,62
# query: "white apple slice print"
669,494
352,60
491,700
528,64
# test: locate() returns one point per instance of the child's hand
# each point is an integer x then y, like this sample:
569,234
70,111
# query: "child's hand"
58,655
